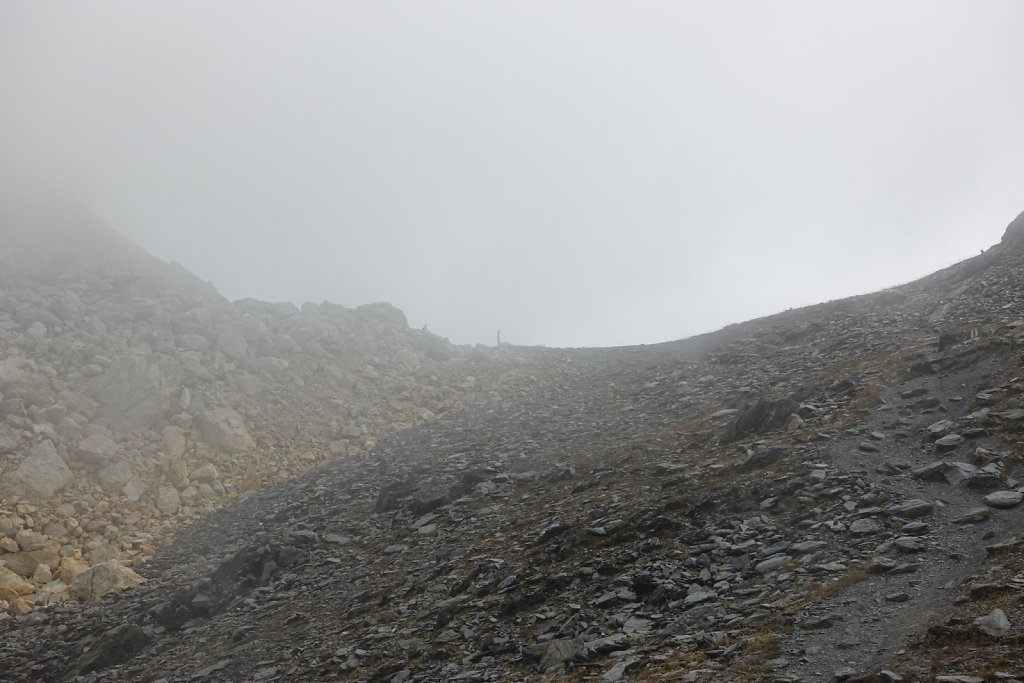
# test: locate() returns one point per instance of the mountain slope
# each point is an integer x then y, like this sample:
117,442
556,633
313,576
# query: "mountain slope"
134,398
803,497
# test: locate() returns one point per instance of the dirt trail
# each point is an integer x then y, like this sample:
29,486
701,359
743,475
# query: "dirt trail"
882,616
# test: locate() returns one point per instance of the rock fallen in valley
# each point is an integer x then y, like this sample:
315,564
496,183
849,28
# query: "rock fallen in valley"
39,476
949,442
994,624
759,418
974,516
1004,499
865,527
911,509
97,449
114,647
224,428
168,501
941,428
101,579
771,564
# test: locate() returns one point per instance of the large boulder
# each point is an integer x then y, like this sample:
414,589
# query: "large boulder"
12,581
25,563
39,476
115,475
763,416
232,343
21,379
101,579
172,442
136,391
224,428
97,449
168,501
10,439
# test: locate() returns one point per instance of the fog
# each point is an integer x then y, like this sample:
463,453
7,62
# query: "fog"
572,173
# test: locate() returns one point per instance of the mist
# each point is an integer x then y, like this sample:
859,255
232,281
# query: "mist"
571,173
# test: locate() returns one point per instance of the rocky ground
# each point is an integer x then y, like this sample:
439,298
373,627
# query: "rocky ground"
826,494
134,399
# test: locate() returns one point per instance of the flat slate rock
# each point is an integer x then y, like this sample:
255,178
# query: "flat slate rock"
1004,499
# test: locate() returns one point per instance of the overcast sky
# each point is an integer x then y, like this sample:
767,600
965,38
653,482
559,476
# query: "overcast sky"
574,173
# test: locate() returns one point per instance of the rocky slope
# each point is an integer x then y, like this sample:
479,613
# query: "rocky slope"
826,494
134,398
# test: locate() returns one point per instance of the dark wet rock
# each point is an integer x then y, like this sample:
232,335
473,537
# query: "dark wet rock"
763,416
114,647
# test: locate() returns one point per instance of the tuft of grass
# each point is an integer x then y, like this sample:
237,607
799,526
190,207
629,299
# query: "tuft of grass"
850,577
868,397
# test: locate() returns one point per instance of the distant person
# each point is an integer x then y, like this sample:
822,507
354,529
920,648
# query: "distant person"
499,337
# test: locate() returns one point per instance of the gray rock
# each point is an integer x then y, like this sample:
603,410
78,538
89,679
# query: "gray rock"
10,439
224,429
819,623
97,449
168,501
914,529
911,509
974,516
699,597
39,476
865,527
994,624
136,391
617,672
172,442
761,417
1004,499
115,474
762,457
949,472
940,428
909,544
558,652
232,343
771,564
949,442
101,579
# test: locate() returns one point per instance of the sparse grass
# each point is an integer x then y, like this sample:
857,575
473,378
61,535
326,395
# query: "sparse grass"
850,577
761,645
868,397
956,646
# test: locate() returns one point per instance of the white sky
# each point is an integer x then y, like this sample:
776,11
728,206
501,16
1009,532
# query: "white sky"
574,173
